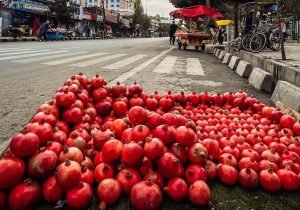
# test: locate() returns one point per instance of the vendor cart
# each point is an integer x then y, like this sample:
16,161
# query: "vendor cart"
189,39
194,14
56,34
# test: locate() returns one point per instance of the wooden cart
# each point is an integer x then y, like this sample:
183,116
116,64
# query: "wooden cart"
195,40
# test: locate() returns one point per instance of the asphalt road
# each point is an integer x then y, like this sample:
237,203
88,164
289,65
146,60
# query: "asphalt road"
30,72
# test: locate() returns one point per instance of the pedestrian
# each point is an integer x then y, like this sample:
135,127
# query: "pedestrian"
220,35
249,22
283,29
172,31
43,30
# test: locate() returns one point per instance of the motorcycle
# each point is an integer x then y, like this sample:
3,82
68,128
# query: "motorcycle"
14,32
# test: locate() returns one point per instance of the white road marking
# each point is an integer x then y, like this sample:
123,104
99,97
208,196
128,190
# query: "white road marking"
48,57
98,60
166,65
135,70
69,48
194,67
67,60
31,55
13,50
124,62
21,52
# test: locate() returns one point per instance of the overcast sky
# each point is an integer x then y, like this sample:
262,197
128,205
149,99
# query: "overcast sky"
161,7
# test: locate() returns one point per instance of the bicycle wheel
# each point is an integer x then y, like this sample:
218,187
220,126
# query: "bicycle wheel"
258,42
245,42
274,41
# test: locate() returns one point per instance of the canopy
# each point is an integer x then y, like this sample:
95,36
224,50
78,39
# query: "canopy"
196,11
224,22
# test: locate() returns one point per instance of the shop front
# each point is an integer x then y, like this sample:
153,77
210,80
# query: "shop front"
111,21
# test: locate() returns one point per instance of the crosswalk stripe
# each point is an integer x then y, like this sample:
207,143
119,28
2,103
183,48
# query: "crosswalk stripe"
194,67
21,52
125,62
139,68
12,50
166,65
67,60
48,57
31,55
98,60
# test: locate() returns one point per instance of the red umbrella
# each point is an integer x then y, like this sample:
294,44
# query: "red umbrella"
196,11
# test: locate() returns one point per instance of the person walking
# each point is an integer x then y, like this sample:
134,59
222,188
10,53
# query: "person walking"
43,30
173,29
220,35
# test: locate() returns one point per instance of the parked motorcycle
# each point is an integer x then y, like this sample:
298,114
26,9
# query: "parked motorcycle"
14,32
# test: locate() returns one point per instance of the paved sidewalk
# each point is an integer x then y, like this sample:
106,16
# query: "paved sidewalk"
292,51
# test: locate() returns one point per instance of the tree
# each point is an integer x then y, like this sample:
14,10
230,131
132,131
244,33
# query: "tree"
146,24
63,10
138,12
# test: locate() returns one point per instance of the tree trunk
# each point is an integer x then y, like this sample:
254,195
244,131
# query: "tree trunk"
236,20
208,3
283,56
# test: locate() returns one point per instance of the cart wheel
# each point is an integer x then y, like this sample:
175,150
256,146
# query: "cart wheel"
202,46
196,47
179,45
184,46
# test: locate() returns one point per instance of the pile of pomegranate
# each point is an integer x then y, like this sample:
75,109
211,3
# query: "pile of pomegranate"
124,141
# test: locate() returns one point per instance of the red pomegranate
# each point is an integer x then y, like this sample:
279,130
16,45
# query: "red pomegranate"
103,108
70,153
24,144
146,195
112,150
103,171
127,178
42,164
198,154
248,178
151,103
195,172
164,133
153,120
73,115
296,128
140,133
97,81
169,166
211,170
269,180
265,164
156,178
28,189
52,192
288,179
11,171
68,174
46,115
108,191
65,99
59,136
87,175
185,136
153,148
100,137
42,129
137,115
180,152
146,166
118,127
120,108
80,196
227,174
199,193
287,121
118,90
176,189
2,200
132,154
54,147
248,162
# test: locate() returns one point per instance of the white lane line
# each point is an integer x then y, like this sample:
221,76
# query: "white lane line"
135,70
194,67
124,62
69,48
13,50
48,57
67,60
98,60
166,65
21,52
31,55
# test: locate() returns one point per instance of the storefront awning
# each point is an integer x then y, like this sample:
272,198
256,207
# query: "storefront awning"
28,6
196,11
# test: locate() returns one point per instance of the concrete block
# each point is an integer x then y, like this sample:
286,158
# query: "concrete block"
261,80
234,61
244,69
226,58
288,94
221,55
217,52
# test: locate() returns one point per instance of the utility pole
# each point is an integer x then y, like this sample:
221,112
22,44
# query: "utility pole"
255,12
104,21
236,19
208,3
